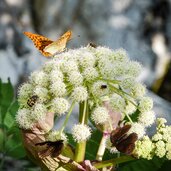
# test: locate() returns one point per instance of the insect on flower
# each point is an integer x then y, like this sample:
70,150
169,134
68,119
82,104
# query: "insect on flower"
50,148
48,47
123,142
103,86
92,45
32,100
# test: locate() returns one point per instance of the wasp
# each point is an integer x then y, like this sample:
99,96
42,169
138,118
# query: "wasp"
32,100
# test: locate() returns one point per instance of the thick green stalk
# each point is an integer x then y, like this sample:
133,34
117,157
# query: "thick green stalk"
81,146
113,162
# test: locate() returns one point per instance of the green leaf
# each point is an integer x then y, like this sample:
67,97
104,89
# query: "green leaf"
68,152
6,97
9,119
135,115
142,165
13,146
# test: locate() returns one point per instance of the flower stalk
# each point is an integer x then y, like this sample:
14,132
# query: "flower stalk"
81,146
101,149
67,117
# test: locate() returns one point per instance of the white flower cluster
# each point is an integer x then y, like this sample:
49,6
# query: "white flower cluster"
159,144
86,74
56,135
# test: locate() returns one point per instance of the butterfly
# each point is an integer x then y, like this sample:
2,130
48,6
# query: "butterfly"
48,47
51,148
32,100
123,142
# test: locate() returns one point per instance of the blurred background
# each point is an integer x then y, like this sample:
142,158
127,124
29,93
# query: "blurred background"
142,27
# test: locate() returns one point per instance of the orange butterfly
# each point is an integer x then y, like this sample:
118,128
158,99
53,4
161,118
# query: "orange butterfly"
48,47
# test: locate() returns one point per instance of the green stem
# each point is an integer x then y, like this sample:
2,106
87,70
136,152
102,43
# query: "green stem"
113,162
81,146
111,81
67,117
128,117
122,93
101,149
83,119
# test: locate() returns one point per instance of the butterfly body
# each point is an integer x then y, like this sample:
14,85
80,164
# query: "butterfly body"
123,142
51,148
32,100
48,47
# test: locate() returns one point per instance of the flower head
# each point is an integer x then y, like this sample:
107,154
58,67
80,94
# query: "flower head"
117,103
39,78
81,132
147,118
79,94
38,112
58,89
138,129
100,115
23,119
60,106
145,104
75,78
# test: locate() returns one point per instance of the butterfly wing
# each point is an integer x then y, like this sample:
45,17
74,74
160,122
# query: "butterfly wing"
127,144
118,134
59,45
51,148
58,148
40,42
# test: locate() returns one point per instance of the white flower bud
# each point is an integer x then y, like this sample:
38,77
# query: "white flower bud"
160,149
75,78
90,73
41,92
55,76
138,90
145,104
38,112
97,89
138,129
100,115
128,83
39,78
58,89
79,94
23,119
60,106
117,103
147,118
69,66
133,69
86,59
81,132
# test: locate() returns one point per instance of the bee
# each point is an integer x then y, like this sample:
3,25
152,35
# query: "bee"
32,100
50,148
103,86
123,142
